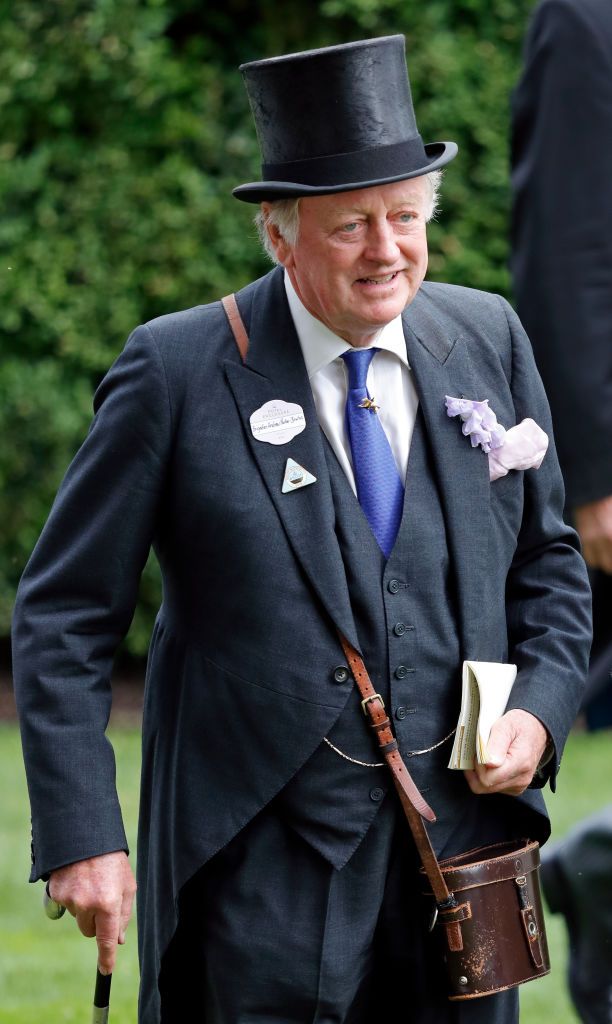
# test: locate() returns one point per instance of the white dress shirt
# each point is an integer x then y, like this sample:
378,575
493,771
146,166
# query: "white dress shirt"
389,383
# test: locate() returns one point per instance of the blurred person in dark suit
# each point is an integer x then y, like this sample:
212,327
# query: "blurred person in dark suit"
562,273
576,877
562,270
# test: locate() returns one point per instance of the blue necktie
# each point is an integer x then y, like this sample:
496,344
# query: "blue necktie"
379,487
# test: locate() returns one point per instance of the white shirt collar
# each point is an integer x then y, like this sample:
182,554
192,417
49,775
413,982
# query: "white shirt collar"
320,346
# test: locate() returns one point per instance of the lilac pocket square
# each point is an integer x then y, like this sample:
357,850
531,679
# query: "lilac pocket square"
524,447
521,447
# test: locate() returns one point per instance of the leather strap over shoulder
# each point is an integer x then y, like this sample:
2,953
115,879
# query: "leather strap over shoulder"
237,324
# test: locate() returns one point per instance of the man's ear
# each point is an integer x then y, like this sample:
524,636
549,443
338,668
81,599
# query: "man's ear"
282,249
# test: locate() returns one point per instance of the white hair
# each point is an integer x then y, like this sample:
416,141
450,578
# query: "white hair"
284,215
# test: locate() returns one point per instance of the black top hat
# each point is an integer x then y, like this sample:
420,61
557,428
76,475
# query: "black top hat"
336,119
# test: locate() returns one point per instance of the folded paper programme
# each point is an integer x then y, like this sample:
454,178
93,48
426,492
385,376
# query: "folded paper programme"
485,690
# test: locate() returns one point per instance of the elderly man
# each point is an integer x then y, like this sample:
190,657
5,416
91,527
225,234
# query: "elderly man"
306,492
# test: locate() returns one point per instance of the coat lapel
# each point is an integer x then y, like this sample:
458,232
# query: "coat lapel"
441,366
275,369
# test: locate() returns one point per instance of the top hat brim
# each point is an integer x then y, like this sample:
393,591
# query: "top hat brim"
439,154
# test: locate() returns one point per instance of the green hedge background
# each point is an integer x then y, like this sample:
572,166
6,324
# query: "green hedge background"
124,127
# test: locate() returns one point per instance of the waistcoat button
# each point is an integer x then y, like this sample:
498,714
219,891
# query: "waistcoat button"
393,586
399,628
401,671
401,712
376,794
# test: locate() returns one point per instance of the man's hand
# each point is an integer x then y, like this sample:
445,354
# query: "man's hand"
594,526
516,744
99,892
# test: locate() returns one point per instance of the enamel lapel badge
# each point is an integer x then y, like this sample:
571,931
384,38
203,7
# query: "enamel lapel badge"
296,476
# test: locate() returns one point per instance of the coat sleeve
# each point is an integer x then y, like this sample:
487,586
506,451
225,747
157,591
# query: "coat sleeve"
75,603
548,597
562,229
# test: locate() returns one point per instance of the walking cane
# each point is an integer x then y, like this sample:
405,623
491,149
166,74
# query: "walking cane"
101,1002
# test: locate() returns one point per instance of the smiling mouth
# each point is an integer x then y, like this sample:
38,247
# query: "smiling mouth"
386,279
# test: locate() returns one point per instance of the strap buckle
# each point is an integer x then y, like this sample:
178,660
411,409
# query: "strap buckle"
366,700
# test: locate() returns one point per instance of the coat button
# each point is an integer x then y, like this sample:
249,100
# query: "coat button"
393,586
341,674
399,628
402,711
377,794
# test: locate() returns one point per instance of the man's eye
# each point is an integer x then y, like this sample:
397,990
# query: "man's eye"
405,218
350,228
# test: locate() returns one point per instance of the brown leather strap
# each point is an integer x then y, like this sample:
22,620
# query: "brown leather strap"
374,708
414,805
235,321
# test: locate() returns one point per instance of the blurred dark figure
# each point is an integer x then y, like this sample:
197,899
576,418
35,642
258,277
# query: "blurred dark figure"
562,269
577,882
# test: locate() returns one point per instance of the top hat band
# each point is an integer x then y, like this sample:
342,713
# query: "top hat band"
365,164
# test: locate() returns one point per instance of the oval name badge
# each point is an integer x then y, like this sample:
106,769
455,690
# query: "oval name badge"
277,422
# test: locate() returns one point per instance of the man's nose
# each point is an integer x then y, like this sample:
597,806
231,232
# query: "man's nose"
381,244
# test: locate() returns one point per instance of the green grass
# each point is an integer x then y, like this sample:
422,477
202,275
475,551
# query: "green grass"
47,968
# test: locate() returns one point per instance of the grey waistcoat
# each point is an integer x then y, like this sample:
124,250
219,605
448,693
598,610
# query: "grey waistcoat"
404,611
